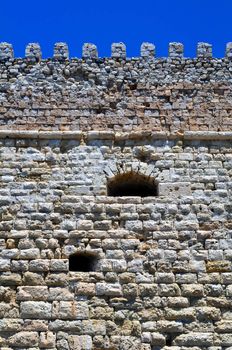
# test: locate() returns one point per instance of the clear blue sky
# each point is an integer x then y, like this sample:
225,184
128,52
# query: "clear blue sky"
103,22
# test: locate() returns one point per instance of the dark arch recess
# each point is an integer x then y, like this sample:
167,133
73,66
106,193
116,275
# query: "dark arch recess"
82,262
132,184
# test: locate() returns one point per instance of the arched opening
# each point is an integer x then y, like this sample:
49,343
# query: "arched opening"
82,262
132,184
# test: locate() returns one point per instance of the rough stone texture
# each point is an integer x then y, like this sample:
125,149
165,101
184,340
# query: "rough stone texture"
163,94
162,272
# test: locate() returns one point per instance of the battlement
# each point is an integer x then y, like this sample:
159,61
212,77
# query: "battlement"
33,51
115,200
171,94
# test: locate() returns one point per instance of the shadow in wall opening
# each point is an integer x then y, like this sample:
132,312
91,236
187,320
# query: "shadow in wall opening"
132,184
82,262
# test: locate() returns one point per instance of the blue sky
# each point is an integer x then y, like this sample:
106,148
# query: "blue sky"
103,22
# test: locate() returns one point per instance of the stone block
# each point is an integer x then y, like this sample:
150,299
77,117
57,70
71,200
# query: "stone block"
194,339
108,289
157,339
175,189
28,293
80,342
35,310
24,339
70,310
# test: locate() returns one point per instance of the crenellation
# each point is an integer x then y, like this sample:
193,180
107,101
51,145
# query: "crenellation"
147,50
229,50
61,51
118,50
176,50
115,200
33,52
204,50
6,51
89,51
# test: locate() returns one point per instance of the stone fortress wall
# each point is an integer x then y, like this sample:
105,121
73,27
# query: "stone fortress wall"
83,265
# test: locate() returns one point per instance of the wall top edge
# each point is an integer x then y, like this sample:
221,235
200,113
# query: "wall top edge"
33,51
115,136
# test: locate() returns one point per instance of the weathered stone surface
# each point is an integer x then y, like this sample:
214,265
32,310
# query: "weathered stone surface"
35,309
84,269
24,339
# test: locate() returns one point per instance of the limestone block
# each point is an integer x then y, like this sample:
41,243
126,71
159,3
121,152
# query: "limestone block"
134,225
94,327
184,314
11,325
84,225
218,266
80,342
226,339
208,313
47,340
177,302
28,293
224,326
146,337
58,293
118,265
130,290
29,254
187,278
110,289
165,277
10,253
56,279
4,265
33,279
10,279
165,326
70,310
35,309
158,339
39,265
192,290
83,288
24,339
226,277
174,190
6,294
59,265
194,339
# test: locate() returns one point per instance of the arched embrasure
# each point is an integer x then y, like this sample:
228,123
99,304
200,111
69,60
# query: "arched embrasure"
132,184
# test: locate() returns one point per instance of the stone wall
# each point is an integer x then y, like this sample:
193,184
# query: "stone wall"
163,274
81,269
118,93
